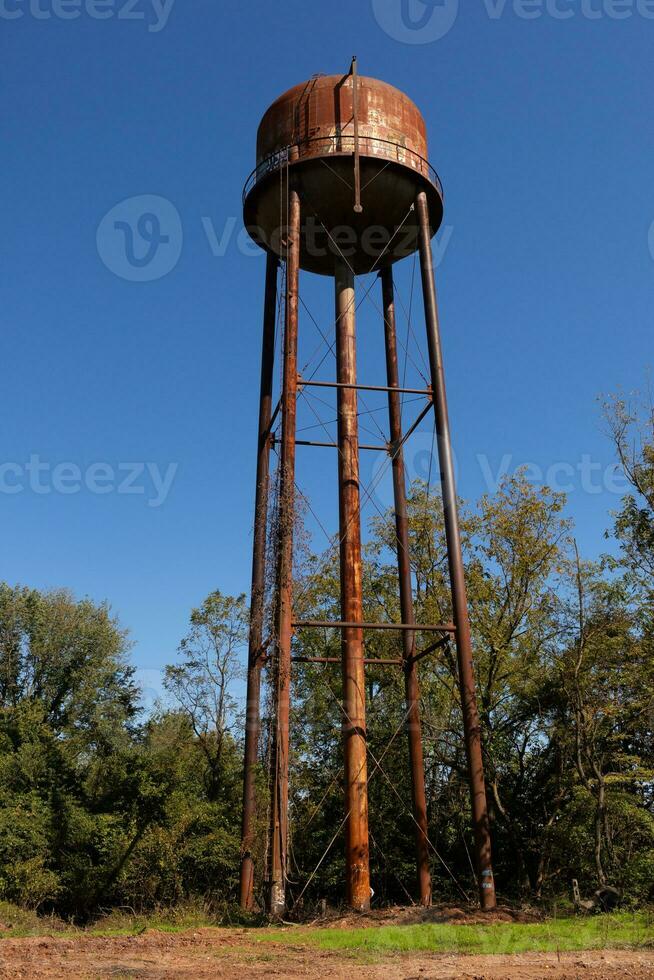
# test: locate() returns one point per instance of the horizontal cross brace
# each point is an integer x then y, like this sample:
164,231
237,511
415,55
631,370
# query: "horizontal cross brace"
400,627
337,384
333,445
262,656
338,660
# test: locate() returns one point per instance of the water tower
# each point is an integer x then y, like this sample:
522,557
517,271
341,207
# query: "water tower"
343,187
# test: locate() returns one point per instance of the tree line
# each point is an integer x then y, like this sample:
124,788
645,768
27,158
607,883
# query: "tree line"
104,805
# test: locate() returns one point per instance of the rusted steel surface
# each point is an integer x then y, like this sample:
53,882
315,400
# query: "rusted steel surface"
455,557
253,720
284,610
316,114
354,692
310,131
402,545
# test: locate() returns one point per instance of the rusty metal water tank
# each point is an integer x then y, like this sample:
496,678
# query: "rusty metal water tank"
318,135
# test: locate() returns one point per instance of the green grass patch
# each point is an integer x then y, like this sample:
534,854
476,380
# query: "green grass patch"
622,930
172,920
617,931
19,923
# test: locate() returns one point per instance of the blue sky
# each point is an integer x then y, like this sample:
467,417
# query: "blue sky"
540,128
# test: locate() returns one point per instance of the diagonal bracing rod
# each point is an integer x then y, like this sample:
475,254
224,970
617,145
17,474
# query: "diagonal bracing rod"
253,713
471,721
284,610
411,684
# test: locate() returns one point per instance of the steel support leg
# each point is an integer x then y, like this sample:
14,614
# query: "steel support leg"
253,713
284,610
411,683
354,694
455,557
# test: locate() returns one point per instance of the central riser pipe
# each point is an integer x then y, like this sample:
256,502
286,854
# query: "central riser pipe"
354,692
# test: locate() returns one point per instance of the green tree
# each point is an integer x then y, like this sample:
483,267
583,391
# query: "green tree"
631,428
68,710
203,682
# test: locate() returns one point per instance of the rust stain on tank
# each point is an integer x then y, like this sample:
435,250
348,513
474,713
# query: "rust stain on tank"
318,118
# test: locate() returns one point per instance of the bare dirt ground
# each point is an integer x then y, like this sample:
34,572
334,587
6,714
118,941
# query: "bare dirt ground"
221,953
